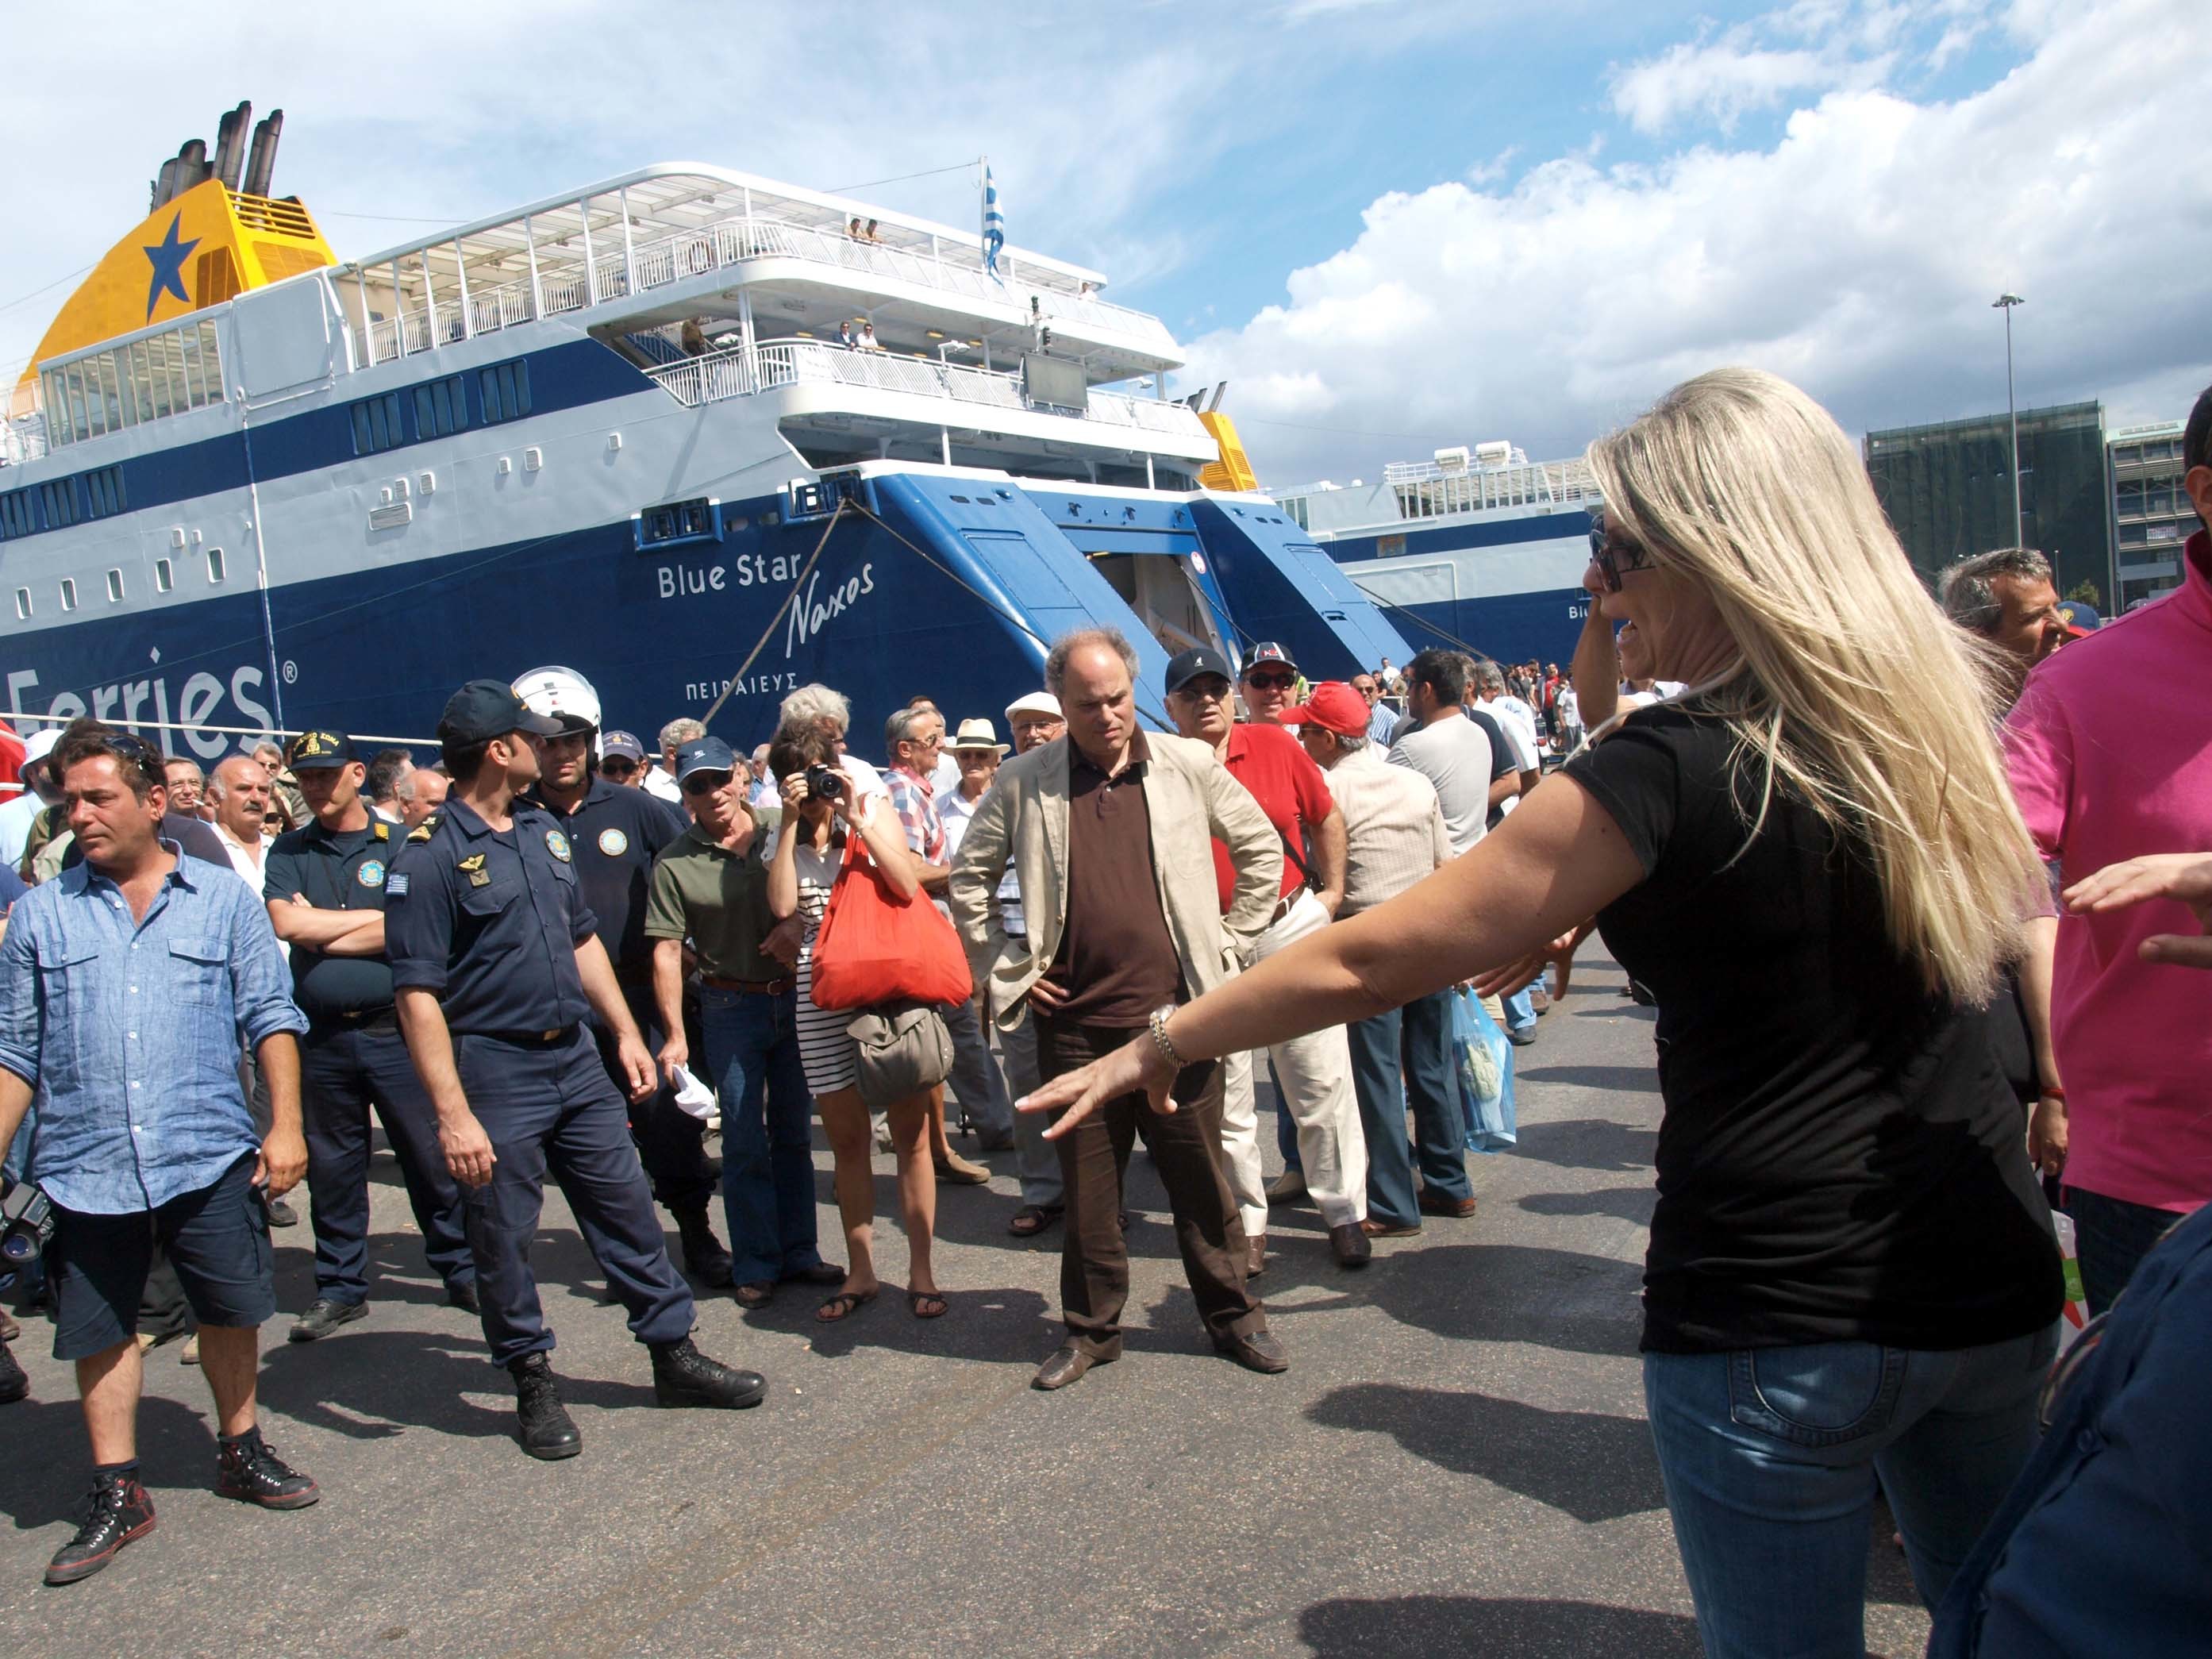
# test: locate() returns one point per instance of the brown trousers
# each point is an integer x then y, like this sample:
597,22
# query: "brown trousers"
1186,1148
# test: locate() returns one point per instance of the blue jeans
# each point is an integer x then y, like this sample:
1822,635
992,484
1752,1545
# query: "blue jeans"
767,1132
1520,1010
976,1081
1416,1037
1770,1456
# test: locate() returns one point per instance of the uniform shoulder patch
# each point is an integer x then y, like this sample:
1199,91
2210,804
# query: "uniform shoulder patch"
423,830
383,830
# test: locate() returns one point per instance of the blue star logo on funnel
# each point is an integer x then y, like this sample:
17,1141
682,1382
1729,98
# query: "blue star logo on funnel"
167,257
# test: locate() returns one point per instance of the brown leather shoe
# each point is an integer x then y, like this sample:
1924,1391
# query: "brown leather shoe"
1259,1351
952,1170
1256,1260
1375,1228
1350,1243
1067,1364
1459,1208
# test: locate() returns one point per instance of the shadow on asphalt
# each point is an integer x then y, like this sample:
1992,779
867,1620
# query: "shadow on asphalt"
1629,1203
1635,1080
1560,1299
1425,1624
1621,1008
373,1385
176,1453
996,1324
1590,1143
1593,1465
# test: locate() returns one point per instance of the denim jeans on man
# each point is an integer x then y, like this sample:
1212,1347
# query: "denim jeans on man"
1418,1038
768,1148
1770,1457
976,1083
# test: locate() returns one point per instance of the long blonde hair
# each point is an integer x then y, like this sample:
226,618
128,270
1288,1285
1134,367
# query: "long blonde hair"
1854,695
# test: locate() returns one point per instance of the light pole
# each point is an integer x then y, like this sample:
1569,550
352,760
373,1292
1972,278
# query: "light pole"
2005,302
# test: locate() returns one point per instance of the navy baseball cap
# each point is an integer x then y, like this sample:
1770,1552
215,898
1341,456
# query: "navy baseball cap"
704,755
1187,665
612,744
321,750
1269,651
485,709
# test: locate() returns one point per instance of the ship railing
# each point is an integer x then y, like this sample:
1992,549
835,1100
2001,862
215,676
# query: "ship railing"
23,439
1427,491
722,375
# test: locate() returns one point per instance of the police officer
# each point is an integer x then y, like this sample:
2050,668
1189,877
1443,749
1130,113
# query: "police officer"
325,885
497,965
614,836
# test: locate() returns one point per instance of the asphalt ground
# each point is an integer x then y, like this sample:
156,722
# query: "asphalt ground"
1456,1461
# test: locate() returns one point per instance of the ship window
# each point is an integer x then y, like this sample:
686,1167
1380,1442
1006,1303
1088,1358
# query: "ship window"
103,492
440,407
210,363
165,576
19,514
22,605
139,396
68,593
215,564
192,372
59,501
506,389
675,521
73,395
111,395
376,424
115,587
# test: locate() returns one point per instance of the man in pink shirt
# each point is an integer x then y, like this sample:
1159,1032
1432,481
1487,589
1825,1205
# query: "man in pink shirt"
2100,782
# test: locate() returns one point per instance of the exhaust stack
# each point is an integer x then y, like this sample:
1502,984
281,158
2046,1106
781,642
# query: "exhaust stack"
262,161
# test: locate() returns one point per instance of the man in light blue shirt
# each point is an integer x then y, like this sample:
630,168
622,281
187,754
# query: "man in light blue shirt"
1382,718
125,986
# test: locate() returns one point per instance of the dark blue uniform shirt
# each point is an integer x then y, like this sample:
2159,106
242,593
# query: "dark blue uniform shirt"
615,834
489,920
334,873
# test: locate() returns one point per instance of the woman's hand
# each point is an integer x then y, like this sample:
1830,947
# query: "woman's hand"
845,803
793,786
2046,1135
1137,1065
1504,982
2183,876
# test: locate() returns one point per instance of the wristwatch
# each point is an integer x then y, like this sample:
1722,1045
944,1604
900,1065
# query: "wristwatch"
1157,1024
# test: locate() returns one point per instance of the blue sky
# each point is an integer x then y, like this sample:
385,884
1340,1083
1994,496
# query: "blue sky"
1446,221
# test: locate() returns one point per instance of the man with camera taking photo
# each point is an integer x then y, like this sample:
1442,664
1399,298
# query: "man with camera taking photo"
124,984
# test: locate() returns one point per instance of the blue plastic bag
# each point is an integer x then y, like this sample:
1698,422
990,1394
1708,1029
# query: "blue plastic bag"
1480,1053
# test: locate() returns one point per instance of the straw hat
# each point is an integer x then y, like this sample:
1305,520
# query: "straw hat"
977,734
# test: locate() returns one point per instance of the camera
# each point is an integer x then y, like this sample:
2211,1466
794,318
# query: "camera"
27,1222
823,784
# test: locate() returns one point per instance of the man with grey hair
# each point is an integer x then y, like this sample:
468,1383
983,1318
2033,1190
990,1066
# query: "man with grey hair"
661,780
827,711
2006,597
420,794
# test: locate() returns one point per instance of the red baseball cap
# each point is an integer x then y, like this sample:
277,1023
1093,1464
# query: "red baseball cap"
1333,706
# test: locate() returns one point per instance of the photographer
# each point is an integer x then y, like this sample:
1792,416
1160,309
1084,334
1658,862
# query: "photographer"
124,984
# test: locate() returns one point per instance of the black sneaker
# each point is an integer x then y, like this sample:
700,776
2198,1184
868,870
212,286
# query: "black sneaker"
682,1376
546,1429
15,1382
324,1316
121,1514
250,1471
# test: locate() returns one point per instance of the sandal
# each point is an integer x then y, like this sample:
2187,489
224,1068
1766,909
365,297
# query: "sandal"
843,1305
919,1301
1033,1219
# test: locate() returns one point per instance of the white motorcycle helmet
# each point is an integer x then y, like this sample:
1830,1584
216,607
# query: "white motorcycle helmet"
562,694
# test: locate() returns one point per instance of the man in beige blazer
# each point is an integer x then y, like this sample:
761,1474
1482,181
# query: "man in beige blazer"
1110,830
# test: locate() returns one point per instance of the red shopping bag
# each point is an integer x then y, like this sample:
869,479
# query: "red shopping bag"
876,947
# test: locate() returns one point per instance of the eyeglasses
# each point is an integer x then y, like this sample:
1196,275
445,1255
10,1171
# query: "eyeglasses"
1209,688
1271,682
619,769
1615,558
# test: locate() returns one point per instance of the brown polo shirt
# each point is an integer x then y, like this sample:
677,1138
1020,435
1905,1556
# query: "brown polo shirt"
1116,958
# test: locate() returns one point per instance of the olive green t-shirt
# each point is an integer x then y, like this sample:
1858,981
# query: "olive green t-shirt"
718,900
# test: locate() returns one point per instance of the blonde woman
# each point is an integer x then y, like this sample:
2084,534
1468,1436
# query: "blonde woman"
1851,1270
810,850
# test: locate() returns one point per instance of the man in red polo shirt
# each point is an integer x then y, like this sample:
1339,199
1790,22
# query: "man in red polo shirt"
1314,1072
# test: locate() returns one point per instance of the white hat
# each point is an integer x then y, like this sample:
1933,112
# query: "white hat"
562,693
977,734
40,743
1036,702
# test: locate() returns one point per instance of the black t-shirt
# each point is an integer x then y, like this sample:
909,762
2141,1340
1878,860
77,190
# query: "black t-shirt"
334,873
1840,1158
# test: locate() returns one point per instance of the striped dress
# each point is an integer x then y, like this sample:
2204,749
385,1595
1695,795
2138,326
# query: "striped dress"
825,1051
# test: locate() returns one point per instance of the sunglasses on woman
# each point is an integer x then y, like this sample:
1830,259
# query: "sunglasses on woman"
1614,557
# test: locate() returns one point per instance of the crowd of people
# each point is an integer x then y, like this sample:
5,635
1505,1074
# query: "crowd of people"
1885,939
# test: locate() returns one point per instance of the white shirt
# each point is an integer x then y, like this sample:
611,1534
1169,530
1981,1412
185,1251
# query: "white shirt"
954,810
662,785
15,820
946,779
1569,707
250,863
1516,720
1452,753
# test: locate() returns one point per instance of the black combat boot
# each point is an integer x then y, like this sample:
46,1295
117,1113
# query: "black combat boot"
121,1514
704,1258
547,1429
682,1376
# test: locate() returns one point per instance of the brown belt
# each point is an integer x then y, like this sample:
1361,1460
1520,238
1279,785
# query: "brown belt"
1283,907
752,987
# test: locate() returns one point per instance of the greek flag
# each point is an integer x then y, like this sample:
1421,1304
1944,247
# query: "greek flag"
994,223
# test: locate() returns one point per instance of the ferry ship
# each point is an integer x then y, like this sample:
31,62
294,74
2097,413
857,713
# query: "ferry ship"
1479,549
701,435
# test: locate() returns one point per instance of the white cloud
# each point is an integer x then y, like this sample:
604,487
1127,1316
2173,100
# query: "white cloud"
1856,255
1722,83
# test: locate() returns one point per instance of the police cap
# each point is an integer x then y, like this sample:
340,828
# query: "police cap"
320,750
483,709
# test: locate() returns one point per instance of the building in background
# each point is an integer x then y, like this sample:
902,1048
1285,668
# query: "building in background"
2151,512
1947,490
